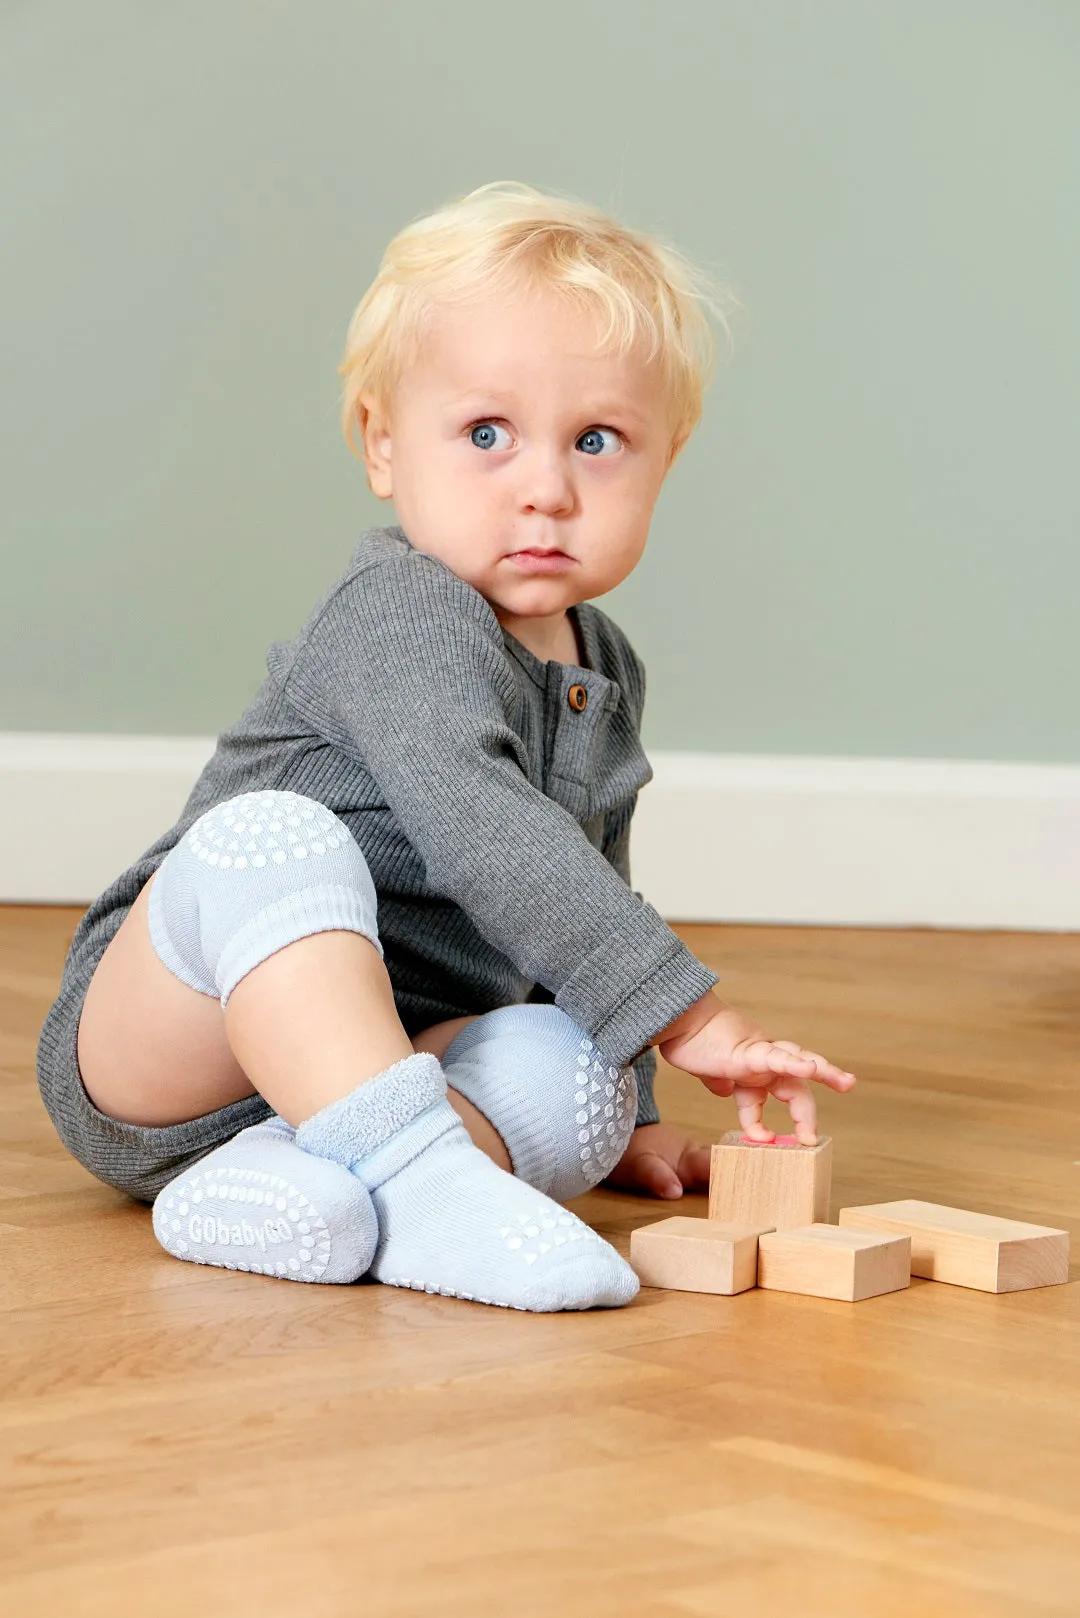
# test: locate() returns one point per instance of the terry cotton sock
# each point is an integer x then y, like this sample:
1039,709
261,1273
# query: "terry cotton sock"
258,1203
450,1221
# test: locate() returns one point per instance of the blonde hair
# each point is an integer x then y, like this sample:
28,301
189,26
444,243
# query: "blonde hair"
508,235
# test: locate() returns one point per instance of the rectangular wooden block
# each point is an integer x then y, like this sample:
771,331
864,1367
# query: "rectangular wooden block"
827,1262
772,1187
695,1255
971,1249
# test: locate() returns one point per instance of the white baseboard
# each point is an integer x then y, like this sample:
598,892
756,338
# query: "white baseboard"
860,842
76,810
717,837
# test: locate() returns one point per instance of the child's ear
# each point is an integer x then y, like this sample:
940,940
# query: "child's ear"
677,447
375,428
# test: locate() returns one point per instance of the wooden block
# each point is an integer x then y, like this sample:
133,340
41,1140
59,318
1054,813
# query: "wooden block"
696,1255
971,1249
827,1262
771,1187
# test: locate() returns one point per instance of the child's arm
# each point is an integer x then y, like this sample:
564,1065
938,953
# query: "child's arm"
661,1158
616,850
405,668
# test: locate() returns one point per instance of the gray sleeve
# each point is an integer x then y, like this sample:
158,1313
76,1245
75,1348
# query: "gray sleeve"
645,1073
617,853
616,849
405,668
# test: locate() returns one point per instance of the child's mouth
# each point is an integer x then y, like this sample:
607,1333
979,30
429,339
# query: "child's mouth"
541,561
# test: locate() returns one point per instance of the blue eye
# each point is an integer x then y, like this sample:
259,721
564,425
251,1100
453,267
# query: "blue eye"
483,435
592,441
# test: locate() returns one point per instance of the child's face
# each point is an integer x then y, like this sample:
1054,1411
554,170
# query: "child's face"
509,432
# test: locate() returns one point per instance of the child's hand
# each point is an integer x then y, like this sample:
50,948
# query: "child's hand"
662,1161
733,1056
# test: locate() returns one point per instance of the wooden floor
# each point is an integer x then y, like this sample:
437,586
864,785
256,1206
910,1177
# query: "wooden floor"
181,1440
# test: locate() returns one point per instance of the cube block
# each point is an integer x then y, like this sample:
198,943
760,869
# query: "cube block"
824,1261
771,1187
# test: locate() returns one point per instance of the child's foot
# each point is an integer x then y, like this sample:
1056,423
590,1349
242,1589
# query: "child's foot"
259,1203
449,1220
454,1223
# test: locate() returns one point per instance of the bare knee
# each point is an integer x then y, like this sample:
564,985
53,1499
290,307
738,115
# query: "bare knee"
441,1035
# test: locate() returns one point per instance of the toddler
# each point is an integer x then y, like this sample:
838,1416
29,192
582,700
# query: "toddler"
384,999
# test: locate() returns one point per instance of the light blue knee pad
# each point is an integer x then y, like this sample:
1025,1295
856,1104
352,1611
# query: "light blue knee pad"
565,1112
251,875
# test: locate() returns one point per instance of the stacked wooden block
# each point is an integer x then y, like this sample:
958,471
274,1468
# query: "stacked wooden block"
767,1227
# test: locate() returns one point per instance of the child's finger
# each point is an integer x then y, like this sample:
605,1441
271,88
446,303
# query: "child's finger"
800,1066
797,1095
751,1104
694,1168
828,1073
812,1065
766,1056
654,1173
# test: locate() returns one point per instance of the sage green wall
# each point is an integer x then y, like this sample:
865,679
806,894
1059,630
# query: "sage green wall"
869,547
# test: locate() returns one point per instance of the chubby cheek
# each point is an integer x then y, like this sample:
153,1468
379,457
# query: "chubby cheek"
427,483
447,474
478,506
447,509
625,514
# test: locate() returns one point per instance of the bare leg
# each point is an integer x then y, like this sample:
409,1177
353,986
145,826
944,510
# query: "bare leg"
313,1021
304,1028
307,1028
330,993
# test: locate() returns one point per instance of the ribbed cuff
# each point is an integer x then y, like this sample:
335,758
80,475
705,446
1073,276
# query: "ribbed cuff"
329,907
645,1072
634,984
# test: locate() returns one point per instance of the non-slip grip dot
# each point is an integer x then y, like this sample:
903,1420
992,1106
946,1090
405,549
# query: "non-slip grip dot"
258,826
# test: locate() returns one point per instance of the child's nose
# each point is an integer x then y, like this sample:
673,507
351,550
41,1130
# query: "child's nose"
545,481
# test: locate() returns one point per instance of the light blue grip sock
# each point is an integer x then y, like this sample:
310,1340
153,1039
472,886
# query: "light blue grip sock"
564,1111
257,1203
450,1221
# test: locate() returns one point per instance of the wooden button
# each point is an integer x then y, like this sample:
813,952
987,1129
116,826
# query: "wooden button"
577,697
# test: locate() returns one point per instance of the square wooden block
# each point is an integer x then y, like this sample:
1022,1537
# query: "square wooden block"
827,1262
695,1255
771,1187
971,1249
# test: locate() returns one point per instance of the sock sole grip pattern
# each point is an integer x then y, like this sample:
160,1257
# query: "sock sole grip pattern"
243,1219
529,1236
